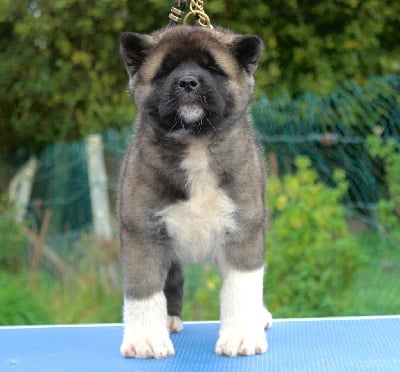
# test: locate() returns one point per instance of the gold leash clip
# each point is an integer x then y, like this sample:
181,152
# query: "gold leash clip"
197,11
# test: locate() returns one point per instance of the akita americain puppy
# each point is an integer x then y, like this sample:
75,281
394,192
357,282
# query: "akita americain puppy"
192,186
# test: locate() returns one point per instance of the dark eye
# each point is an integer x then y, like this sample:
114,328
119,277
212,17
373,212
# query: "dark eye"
161,73
210,65
168,65
215,69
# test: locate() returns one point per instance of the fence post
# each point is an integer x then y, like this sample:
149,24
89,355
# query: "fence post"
20,188
98,186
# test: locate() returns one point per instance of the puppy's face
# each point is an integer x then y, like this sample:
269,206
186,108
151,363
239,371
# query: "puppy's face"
191,95
189,80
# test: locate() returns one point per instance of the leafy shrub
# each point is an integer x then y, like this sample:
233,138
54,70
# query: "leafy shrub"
312,257
388,211
202,287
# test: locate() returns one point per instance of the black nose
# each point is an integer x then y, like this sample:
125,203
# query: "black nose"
188,83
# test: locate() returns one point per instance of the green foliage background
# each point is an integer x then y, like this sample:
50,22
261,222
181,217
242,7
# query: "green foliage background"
61,76
311,255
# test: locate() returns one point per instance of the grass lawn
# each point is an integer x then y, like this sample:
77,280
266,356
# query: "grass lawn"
376,289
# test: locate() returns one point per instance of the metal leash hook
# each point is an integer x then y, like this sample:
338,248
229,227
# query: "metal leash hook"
175,17
197,11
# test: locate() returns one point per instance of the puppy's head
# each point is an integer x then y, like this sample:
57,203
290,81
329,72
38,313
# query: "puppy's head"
191,81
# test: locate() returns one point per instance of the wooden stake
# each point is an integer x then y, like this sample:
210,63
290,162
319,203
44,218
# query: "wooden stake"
98,186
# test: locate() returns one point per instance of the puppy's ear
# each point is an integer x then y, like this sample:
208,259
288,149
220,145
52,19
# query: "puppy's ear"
247,49
133,48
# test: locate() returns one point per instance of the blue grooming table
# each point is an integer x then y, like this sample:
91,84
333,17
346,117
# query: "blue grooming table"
332,344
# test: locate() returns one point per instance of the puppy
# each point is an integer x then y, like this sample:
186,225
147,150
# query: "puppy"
192,187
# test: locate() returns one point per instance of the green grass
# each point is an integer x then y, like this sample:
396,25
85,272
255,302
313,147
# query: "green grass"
93,297
376,288
18,305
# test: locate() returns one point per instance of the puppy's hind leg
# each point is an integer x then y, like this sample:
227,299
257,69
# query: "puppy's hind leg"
173,291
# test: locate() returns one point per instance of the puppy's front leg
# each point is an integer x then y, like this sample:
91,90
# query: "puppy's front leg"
146,333
243,315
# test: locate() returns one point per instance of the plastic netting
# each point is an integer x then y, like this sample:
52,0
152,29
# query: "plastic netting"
331,130
62,185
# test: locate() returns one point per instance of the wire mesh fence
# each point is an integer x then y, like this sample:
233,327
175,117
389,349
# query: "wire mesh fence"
331,130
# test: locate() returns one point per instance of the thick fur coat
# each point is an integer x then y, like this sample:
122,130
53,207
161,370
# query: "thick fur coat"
192,186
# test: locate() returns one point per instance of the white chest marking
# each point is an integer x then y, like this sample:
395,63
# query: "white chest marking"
199,225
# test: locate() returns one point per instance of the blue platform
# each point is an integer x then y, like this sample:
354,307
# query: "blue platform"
333,344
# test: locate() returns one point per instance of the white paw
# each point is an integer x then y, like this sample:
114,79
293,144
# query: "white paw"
174,324
146,329
147,344
241,341
267,318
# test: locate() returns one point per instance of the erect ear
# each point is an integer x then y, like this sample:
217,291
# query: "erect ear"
247,49
133,48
